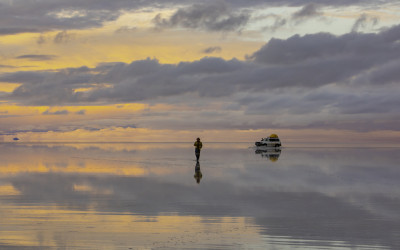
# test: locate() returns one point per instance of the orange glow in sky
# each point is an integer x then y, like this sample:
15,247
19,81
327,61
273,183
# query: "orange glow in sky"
158,73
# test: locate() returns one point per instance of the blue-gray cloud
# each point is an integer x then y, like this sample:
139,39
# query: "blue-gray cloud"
37,57
320,76
45,15
6,66
308,11
217,16
81,112
58,112
300,61
211,50
63,37
363,21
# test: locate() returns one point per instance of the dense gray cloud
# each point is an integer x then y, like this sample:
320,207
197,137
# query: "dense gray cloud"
300,61
372,48
16,30
45,15
213,17
309,10
63,37
354,74
244,3
24,77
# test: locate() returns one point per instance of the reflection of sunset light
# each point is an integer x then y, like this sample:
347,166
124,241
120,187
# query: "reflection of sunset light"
91,168
76,227
120,159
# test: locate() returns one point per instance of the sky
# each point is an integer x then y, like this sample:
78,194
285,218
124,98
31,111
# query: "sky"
171,70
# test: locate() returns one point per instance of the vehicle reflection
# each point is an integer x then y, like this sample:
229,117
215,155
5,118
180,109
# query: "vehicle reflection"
270,153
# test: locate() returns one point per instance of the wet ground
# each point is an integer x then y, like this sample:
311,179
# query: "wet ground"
155,196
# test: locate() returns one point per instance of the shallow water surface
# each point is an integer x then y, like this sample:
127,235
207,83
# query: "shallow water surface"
155,196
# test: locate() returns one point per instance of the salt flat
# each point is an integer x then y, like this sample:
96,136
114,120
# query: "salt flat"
149,196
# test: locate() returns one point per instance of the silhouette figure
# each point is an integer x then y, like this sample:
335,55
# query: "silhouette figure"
198,145
197,173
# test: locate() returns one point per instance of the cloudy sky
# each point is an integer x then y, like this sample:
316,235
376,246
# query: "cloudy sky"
172,70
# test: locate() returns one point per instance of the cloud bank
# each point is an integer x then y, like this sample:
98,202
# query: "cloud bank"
312,81
45,15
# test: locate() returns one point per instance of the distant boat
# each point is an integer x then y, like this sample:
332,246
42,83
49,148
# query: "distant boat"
269,142
16,139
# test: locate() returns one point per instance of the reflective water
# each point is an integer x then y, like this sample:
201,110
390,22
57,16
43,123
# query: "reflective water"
153,196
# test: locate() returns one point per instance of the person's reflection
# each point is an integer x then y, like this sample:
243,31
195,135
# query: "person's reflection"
197,173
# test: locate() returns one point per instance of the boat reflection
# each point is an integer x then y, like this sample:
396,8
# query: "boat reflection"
270,153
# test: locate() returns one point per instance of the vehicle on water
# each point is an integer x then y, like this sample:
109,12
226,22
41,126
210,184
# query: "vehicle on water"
271,141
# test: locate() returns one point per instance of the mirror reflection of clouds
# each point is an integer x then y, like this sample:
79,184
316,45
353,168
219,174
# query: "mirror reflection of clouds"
337,194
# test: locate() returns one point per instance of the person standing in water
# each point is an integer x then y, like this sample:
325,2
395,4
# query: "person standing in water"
198,145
